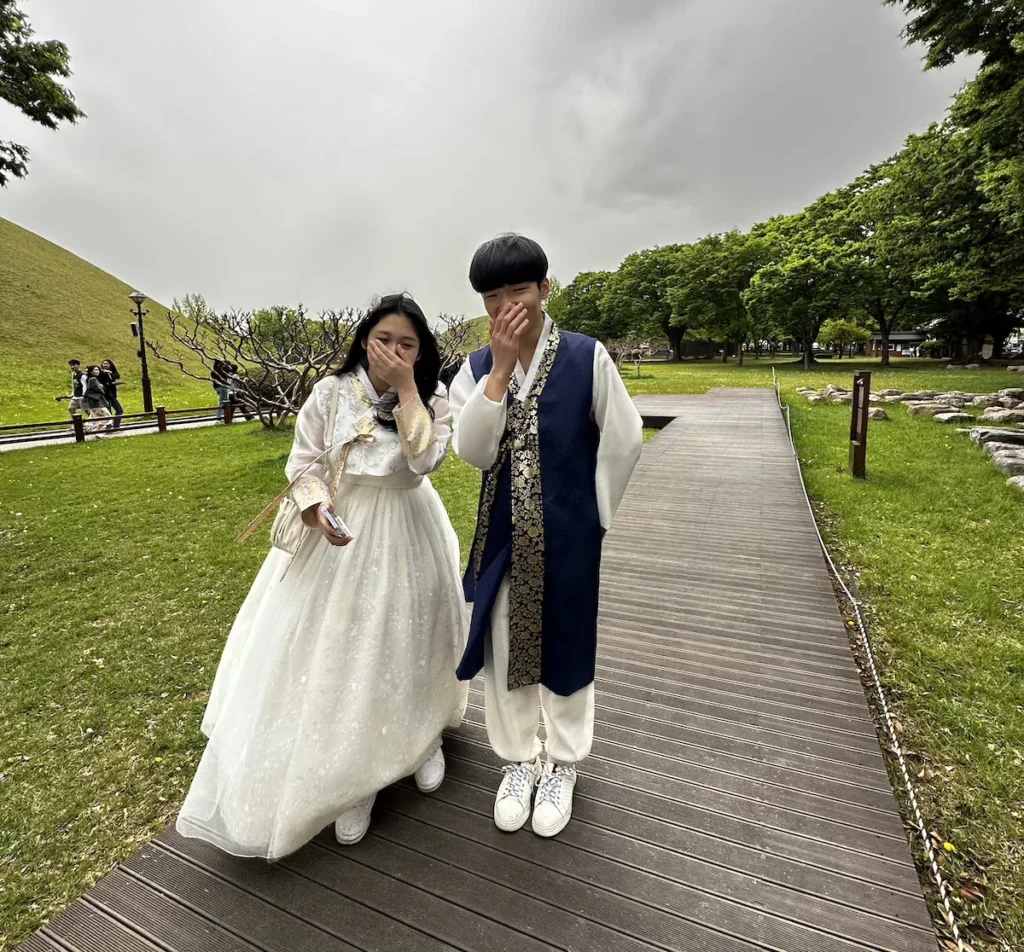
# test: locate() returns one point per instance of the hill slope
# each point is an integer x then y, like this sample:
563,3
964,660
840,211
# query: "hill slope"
55,306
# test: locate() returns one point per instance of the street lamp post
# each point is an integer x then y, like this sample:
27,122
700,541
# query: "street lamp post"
139,331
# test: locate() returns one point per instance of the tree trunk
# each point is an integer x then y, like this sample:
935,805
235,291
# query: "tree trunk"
807,355
675,341
725,352
739,352
885,329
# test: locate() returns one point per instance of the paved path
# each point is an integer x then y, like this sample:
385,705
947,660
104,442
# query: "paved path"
736,799
64,437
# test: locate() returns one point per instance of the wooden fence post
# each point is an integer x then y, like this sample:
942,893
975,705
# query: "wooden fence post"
859,424
76,422
161,419
229,412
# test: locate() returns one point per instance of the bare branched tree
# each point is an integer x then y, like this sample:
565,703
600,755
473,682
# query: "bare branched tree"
280,353
454,338
634,349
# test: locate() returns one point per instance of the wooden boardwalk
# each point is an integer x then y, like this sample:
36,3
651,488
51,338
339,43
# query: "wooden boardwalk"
736,798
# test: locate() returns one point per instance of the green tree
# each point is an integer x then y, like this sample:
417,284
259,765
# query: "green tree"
990,110
797,294
970,266
841,334
864,223
636,299
706,293
28,71
577,306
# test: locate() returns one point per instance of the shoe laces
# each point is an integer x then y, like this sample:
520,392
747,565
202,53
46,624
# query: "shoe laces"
519,777
550,788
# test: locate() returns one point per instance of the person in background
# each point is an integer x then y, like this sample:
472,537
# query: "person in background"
111,380
219,378
95,400
237,393
78,381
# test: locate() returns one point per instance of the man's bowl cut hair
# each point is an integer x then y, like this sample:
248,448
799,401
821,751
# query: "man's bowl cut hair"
508,259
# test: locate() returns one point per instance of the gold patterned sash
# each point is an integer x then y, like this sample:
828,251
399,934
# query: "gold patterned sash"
520,446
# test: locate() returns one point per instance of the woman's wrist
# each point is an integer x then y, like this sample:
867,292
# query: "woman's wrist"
407,393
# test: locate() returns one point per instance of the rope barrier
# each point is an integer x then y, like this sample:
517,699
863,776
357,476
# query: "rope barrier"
940,881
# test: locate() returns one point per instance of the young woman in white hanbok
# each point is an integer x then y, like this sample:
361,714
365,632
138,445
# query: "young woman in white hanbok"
339,673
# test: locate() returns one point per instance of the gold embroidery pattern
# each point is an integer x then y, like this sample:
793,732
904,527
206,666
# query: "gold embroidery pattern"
415,428
364,427
520,445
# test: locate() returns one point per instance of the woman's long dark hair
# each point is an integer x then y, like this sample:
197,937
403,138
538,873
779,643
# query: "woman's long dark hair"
113,368
427,369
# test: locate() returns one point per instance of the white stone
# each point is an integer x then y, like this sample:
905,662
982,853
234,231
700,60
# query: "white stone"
997,448
877,413
1009,464
929,409
1017,482
992,415
984,435
953,417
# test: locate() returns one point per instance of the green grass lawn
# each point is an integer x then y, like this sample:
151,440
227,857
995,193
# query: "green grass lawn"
119,578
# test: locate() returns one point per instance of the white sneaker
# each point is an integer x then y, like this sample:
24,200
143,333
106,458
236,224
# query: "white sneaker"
512,805
352,825
553,808
430,775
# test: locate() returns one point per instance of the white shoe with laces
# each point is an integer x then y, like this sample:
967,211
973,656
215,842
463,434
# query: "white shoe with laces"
553,807
512,804
352,825
430,774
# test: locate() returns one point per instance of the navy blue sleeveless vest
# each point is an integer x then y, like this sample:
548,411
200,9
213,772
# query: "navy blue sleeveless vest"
568,438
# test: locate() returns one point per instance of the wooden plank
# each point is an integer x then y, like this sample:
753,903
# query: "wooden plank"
787,859
40,943
591,854
161,917
274,905
84,928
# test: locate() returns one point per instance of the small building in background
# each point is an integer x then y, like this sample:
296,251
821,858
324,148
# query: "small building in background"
901,343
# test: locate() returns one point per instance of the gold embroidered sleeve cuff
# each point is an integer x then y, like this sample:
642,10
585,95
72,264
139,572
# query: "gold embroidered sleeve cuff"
415,428
310,491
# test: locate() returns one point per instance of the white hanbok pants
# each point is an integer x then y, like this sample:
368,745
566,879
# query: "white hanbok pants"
513,717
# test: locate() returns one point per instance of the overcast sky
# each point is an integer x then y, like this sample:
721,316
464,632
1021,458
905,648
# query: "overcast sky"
325,150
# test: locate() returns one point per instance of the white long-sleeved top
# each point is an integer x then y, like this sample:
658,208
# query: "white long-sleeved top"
479,423
419,445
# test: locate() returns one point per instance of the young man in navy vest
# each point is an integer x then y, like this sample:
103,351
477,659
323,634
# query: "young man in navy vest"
545,415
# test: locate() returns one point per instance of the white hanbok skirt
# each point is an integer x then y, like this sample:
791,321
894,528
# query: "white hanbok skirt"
338,675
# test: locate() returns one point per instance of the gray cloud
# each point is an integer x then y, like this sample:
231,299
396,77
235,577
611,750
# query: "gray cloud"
325,151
